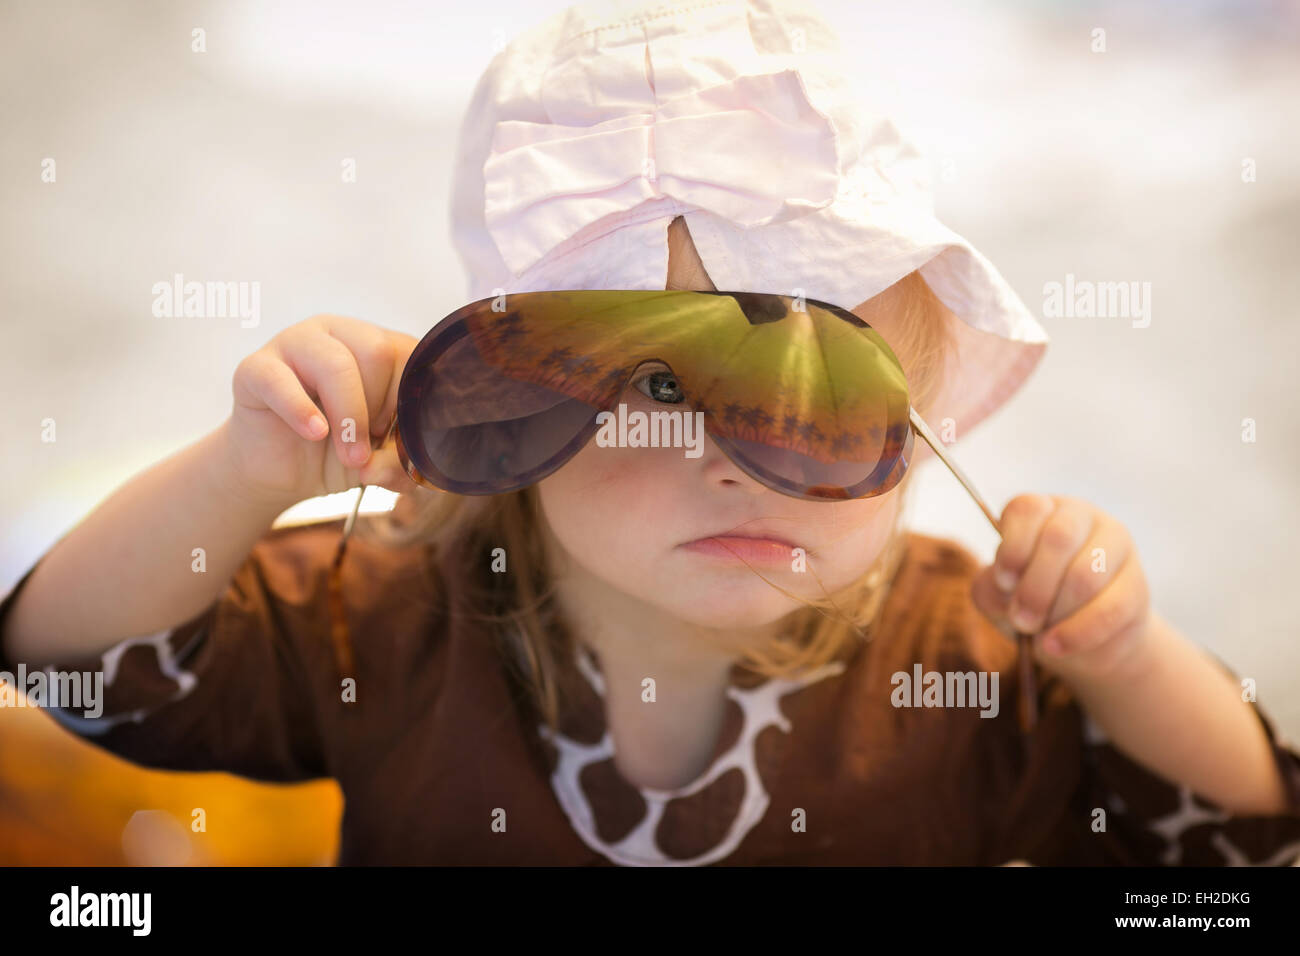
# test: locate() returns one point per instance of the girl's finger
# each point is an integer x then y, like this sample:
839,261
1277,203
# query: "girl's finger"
989,599
381,354
1103,629
1020,522
403,346
1093,568
385,469
264,381
326,368
1060,538
375,354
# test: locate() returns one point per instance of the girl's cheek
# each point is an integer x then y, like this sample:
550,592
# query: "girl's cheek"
856,537
608,478
607,492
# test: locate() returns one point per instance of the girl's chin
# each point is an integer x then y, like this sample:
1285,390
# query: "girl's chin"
757,611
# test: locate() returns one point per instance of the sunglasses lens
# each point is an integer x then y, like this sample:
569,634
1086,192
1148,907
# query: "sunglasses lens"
471,429
810,401
799,475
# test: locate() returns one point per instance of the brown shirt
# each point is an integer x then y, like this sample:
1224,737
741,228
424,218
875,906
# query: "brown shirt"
441,760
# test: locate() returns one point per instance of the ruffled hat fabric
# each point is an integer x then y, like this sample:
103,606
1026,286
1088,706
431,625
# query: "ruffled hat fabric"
590,132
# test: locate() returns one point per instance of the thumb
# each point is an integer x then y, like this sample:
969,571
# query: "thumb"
385,470
989,600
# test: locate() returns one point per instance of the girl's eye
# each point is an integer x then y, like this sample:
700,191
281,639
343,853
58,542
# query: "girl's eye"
660,386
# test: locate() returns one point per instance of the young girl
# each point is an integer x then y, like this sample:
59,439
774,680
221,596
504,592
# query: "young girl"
646,657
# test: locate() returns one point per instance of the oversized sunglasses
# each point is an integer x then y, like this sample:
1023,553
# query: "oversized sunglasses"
803,396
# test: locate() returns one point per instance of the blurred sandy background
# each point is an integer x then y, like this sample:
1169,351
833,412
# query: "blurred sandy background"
1123,165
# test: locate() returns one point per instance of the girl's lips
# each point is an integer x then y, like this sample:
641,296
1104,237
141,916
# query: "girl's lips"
751,550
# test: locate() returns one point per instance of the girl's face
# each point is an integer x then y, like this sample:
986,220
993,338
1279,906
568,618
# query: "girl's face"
627,517
632,520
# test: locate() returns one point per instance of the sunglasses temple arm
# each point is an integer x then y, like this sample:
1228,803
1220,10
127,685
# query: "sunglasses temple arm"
923,430
1028,710
352,517
361,492
339,632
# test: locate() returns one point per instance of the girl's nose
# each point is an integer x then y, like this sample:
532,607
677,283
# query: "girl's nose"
718,469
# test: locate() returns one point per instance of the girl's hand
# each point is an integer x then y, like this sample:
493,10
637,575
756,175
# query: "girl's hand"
1068,573
305,384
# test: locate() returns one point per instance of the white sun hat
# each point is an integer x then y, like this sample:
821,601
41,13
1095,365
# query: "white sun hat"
590,132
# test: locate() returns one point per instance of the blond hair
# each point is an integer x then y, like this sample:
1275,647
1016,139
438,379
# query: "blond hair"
518,606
